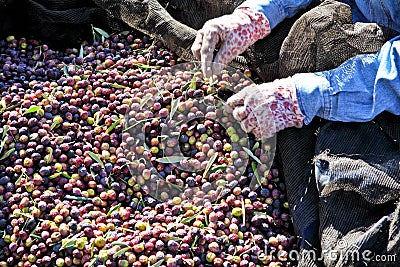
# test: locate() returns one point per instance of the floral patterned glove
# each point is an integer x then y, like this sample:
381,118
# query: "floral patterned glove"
267,108
234,33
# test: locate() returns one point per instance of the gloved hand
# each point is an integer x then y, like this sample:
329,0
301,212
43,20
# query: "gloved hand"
267,108
234,32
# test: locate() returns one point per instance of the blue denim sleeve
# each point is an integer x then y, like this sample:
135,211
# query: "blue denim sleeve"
276,10
386,12
356,91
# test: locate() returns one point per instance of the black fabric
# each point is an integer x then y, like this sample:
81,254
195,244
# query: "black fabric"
358,175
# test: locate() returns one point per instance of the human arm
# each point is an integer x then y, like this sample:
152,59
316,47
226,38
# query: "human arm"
232,34
356,91
276,10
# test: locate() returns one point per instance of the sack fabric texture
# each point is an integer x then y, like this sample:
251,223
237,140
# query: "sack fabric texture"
343,179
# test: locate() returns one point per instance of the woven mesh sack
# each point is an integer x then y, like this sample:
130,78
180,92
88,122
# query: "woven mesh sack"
358,178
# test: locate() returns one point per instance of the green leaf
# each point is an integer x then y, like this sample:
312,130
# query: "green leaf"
188,219
192,127
195,241
7,154
209,164
136,123
65,70
3,104
112,126
118,86
146,66
19,178
243,212
219,167
256,145
68,244
36,236
121,252
101,32
146,147
96,158
55,175
92,250
5,129
126,229
113,208
174,106
48,160
119,243
144,101
186,86
97,117
248,151
68,197
171,159
93,261
254,167
260,214
66,175
32,109
193,83
81,52
55,123
158,263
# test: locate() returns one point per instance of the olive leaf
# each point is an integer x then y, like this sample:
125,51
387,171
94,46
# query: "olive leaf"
112,126
145,100
256,145
68,243
121,252
55,175
136,123
112,209
171,159
243,212
248,151
96,158
48,159
186,86
65,70
254,167
3,138
217,168
93,261
5,129
54,124
81,52
66,175
119,243
174,107
32,109
158,263
7,154
209,164
195,241
118,86
92,250
103,33
68,197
